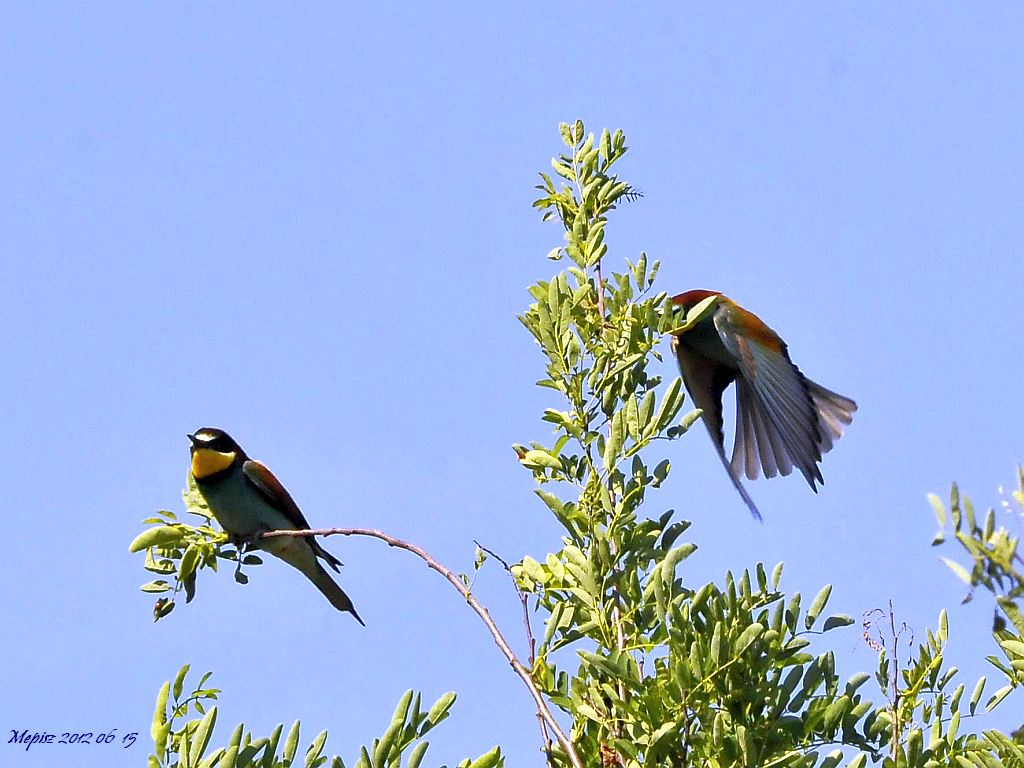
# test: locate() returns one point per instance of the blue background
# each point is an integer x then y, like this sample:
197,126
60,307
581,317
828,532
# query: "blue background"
311,225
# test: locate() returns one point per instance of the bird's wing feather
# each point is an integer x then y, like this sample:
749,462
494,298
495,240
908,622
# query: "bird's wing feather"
778,397
274,492
705,381
834,412
757,444
744,446
277,496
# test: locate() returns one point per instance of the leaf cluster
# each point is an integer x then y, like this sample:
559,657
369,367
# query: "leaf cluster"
177,551
180,742
650,669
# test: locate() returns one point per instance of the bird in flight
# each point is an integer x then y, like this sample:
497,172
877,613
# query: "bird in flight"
783,419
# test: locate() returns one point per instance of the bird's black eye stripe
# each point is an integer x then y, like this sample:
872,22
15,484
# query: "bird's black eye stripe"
215,440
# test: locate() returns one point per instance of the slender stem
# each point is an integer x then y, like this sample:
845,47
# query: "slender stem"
481,611
530,639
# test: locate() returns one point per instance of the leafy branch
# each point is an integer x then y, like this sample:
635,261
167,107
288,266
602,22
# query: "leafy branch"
180,742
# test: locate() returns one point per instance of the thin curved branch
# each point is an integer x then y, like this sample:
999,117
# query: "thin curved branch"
481,611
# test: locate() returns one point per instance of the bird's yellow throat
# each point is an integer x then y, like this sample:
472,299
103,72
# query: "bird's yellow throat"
206,462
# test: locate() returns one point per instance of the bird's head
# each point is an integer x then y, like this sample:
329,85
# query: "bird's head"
690,299
694,307
213,450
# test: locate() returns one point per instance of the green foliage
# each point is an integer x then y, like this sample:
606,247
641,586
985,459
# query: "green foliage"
180,742
650,669
995,562
921,722
178,551
996,566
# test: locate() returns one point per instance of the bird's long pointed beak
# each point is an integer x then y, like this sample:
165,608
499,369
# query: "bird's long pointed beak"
192,438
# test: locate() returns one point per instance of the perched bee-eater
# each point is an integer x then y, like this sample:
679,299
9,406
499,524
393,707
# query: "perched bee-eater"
247,499
783,419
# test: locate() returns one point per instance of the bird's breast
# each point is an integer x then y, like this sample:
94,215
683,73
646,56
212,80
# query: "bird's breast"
240,508
703,339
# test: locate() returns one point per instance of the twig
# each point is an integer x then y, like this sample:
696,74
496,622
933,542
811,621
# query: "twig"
481,611
531,641
522,600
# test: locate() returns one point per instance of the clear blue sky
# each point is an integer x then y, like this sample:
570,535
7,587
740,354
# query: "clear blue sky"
311,226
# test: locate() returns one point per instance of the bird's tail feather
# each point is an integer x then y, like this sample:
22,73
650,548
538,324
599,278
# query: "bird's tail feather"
335,594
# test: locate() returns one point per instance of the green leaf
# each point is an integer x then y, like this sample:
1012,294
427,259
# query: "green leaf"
613,445
1013,648
201,736
228,759
439,711
402,708
715,653
553,502
939,508
670,404
315,750
976,695
417,753
291,742
271,751
488,759
748,636
839,620
160,713
540,459
610,666
700,310
189,561
997,697
817,605
673,558
606,153
834,713
958,569
382,749
1013,613
179,682
155,537
533,569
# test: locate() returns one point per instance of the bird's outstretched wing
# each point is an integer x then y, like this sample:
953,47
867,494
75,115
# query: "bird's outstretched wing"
705,381
777,417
